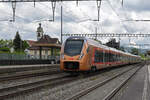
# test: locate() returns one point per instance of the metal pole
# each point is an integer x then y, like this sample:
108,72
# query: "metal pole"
95,33
122,3
61,24
40,52
53,9
14,10
20,46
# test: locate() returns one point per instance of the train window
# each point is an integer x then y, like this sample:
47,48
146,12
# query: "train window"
106,57
87,49
101,56
119,57
98,56
112,57
109,56
73,47
116,57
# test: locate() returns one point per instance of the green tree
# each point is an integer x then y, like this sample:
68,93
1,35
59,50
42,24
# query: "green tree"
17,42
135,51
122,49
5,46
9,43
25,45
4,50
113,43
98,41
1,43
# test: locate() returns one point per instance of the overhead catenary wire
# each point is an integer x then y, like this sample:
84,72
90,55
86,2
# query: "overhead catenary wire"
117,16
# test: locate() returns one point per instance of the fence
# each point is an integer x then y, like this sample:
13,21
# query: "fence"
5,56
23,59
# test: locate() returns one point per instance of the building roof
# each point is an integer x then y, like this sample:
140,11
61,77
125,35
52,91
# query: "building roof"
48,39
30,42
37,48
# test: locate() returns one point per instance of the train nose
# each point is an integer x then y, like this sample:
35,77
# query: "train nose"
71,65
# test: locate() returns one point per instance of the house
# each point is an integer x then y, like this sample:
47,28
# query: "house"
45,46
148,53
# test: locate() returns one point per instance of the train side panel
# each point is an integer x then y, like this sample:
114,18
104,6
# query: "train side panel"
94,55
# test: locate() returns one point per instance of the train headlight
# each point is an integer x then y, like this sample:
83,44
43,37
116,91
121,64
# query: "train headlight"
81,56
62,56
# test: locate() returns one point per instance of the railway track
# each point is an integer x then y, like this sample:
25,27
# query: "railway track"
12,91
21,68
32,86
114,91
100,84
26,74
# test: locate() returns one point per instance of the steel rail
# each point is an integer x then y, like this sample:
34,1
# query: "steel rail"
27,75
113,92
90,89
37,85
29,87
21,68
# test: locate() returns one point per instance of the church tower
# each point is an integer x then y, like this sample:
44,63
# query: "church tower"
39,32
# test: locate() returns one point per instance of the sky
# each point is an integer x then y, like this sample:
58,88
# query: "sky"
77,19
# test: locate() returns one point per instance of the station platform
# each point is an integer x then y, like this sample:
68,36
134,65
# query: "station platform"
138,88
13,68
25,66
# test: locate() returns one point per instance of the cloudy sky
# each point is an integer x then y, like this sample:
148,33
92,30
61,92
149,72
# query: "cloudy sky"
76,19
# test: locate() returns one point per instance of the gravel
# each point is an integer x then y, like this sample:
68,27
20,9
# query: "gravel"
64,91
11,83
101,92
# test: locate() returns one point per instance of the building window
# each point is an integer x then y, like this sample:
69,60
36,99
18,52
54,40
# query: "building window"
46,52
35,52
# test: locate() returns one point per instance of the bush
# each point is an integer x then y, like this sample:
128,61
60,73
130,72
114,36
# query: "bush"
4,50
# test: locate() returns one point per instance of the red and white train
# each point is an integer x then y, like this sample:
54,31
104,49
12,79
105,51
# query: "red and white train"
83,54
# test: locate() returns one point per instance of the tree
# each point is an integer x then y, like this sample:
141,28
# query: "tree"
135,51
4,50
5,45
112,43
17,42
98,41
9,43
25,45
122,49
1,43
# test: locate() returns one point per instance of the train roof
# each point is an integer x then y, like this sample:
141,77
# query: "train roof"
97,44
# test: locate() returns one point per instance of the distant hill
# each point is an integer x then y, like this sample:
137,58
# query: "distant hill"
128,49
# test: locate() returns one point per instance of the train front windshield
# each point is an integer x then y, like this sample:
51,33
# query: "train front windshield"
73,47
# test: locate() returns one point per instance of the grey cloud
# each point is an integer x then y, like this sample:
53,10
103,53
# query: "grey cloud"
137,5
27,15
